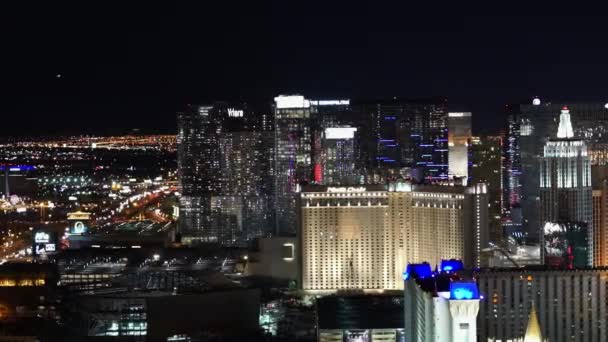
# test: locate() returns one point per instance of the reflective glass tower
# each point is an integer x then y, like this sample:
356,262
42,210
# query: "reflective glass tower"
197,163
405,138
511,175
459,141
225,169
339,156
486,168
293,157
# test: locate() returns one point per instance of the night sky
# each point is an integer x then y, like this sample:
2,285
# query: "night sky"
103,69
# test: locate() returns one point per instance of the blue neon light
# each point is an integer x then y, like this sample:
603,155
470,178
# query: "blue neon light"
390,118
393,145
451,265
18,168
386,140
426,145
463,290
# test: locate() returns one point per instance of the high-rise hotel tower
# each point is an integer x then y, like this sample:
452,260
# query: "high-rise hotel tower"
565,180
362,237
225,172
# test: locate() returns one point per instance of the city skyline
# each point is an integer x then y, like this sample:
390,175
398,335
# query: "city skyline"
282,171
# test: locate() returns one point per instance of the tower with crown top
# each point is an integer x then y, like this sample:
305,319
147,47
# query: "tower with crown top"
565,182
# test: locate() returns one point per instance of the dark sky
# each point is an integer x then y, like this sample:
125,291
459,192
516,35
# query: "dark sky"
129,67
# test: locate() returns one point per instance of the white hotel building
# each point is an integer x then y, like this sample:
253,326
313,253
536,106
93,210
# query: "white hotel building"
363,237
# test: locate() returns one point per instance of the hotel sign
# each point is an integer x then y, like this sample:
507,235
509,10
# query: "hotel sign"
42,237
346,189
235,113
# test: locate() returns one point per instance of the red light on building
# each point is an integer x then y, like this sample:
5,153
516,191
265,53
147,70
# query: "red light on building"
318,175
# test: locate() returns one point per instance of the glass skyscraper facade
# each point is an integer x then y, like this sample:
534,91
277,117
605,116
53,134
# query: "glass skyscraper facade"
198,162
231,157
459,141
293,157
316,141
405,139
486,168
511,175
339,156
224,160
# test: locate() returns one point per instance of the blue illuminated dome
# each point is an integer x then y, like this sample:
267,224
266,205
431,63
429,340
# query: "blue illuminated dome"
464,290
418,271
451,265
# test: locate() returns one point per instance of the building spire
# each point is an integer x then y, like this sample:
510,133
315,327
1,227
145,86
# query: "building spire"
565,126
533,333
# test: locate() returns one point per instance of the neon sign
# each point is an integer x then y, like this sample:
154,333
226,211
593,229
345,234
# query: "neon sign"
42,237
346,189
330,102
291,101
235,113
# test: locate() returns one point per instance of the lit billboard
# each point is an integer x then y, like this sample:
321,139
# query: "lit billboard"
565,244
340,132
44,242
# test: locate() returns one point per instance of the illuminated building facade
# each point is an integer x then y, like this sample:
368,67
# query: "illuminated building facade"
28,291
225,170
459,140
533,331
439,306
565,245
158,315
362,237
569,304
293,155
428,135
487,168
511,176
197,160
360,318
536,121
402,138
336,134
316,141
600,225
338,156
565,180
79,222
